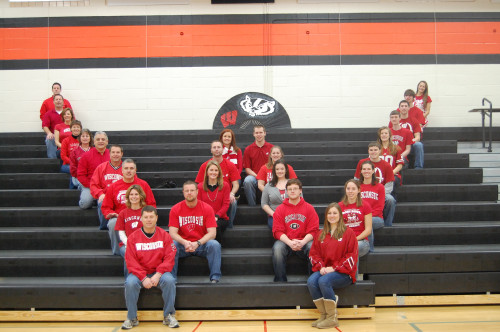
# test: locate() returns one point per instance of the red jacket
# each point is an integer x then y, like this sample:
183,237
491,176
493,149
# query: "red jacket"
74,158
341,254
295,221
114,201
149,255
88,163
104,175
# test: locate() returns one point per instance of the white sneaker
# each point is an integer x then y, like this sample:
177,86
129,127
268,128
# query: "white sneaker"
170,321
128,324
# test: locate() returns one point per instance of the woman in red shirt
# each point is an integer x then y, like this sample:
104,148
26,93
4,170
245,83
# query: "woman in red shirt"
265,174
333,258
129,219
63,130
215,192
230,150
357,215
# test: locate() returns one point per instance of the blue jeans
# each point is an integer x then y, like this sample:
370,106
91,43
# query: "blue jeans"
123,249
103,222
418,149
133,287
280,253
65,169
210,250
389,210
323,286
250,186
86,199
114,237
231,212
51,148
377,223
270,222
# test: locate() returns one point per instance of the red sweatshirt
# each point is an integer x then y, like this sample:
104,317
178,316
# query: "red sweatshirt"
88,163
104,175
68,144
341,254
375,196
114,201
74,158
149,255
295,221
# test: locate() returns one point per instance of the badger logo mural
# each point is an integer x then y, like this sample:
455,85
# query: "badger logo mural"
257,106
250,108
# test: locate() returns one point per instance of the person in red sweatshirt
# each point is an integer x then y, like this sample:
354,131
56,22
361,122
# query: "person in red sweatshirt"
115,201
87,165
295,223
193,227
104,175
150,258
333,258
69,144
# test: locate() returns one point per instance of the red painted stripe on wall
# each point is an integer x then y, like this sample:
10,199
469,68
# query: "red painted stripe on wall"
250,40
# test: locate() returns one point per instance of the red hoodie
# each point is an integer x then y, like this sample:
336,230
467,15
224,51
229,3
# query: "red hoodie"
295,221
114,201
88,163
341,254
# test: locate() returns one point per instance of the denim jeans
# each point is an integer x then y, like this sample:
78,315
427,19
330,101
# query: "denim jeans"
103,222
418,149
270,222
114,237
231,212
280,253
210,250
51,148
86,199
363,249
250,187
133,287
323,286
389,210
377,223
123,249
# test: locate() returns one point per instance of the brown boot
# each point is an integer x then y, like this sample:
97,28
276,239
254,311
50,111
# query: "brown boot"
321,307
331,315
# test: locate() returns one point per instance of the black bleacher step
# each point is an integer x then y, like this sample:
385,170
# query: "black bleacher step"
235,261
436,283
75,238
193,293
51,216
313,194
308,177
255,236
203,149
432,259
439,233
192,163
243,137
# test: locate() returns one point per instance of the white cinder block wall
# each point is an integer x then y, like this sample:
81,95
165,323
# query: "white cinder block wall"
189,97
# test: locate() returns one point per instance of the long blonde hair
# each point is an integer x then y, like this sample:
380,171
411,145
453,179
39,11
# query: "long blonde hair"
220,179
359,200
327,227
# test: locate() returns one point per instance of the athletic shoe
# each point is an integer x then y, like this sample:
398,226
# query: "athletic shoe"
128,324
170,321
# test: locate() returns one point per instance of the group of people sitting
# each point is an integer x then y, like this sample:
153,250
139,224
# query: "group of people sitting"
127,208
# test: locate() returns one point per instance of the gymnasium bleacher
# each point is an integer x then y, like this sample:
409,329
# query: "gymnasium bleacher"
444,239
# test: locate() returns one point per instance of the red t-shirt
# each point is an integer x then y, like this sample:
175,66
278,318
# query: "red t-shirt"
266,174
354,216
128,220
64,131
375,196
402,137
192,223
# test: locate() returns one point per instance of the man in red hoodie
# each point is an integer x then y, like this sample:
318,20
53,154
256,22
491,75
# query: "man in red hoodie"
114,200
295,224
150,258
104,175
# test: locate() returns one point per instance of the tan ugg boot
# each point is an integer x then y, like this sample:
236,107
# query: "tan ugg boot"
321,307
331,315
